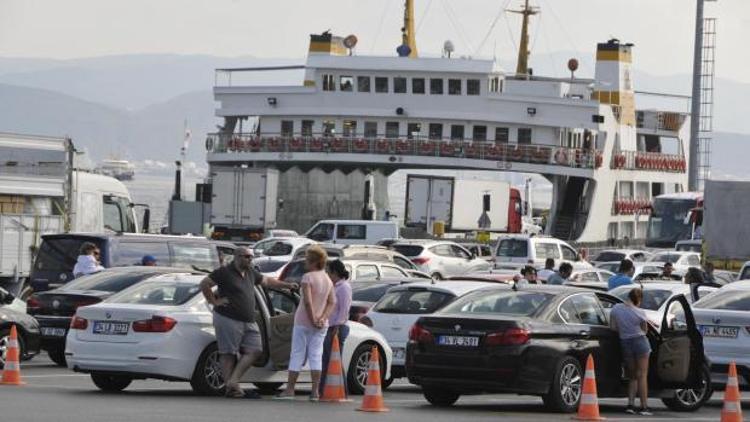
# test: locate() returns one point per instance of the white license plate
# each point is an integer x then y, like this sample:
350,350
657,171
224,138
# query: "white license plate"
399,353
719,331
111,327
53,332
458,341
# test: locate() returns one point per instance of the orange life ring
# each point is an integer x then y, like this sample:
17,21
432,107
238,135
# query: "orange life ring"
383,146
561,157
316,145
402,147
339,145
542,155
254,144
273,144
296,144
447,149
472,150
599,160
427,148
360,145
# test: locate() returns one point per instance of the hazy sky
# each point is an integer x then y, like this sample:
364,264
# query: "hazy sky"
661,29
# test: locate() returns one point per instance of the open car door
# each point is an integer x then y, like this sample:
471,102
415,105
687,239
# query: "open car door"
282,306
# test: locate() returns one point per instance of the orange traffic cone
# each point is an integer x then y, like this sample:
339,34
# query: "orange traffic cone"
732,410
373,401
12,369
588,409
334,390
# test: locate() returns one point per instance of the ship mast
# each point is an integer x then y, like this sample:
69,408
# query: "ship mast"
522,68
408,34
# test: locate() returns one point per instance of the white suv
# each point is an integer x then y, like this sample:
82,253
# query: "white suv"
514,252
441,259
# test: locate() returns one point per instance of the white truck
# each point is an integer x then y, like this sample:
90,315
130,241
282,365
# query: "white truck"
462,205
243,203
41,192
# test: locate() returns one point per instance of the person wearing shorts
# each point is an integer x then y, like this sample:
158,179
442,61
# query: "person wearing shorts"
237,334
631,324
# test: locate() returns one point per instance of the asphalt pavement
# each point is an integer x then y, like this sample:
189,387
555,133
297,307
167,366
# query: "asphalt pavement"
52,393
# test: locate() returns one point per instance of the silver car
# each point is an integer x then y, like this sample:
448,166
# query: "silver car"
441,259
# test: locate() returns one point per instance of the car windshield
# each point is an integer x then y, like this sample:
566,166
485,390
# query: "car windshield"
268,266
169,293
412,301
60,254
610,256
107,281
370,293
408,250
652,298
665,257
726,299
505,302
513,248
278,249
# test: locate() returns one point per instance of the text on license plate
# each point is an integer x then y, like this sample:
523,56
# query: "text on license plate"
720,331
53,332
111,327
458,341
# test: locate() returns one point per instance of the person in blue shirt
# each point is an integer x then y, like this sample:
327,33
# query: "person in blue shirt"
624,275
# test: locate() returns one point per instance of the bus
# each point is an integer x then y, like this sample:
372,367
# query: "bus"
675,217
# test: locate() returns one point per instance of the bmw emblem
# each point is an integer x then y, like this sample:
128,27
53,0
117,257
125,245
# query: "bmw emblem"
108,315
55,304
63,277
457,327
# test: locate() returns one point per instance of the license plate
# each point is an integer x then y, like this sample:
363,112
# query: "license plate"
53,332
719,331
458,341
399,353
111,327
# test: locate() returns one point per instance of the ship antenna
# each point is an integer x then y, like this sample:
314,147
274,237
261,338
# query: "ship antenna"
522,68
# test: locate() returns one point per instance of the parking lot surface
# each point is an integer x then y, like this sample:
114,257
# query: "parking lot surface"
52,393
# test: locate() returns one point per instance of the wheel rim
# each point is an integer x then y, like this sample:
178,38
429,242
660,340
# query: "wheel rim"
3,349
362,367
570,384
692,396
212,372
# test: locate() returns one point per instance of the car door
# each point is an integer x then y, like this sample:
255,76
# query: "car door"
392,271
464,262
678,353
366,272
444,259
281,306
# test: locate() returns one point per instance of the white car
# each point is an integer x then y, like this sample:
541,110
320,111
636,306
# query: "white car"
657,294
515,252
272,254
441,259
163,329
642,269
724,320
395,313
616,255
680,260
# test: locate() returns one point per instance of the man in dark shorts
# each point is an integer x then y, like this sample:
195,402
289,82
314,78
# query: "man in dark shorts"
237,333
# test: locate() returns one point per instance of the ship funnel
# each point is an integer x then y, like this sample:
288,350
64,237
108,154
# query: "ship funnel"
614,79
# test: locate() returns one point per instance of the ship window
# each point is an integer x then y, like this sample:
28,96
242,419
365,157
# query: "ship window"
457,132
399,85
495,85
436,131
524,135
480,133
363,83
381,84
371,129
329,128
454,86
501,134
328,83
287,128
350,128
391,129
417,86
346,83
413,130
436,86
472,86
307,127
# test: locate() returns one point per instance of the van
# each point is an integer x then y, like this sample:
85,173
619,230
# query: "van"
516,251
58,254
350,232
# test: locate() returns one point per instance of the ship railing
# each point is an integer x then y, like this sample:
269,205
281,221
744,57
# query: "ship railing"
648,161
466,149
631,206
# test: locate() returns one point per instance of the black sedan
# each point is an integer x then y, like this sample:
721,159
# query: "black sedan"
534,340
54,308
27,328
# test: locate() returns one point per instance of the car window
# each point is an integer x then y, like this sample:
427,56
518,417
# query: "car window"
693,260
505,302
513,248
194,256
442,250
278,249
391,272
403,263
638,257
665,257
546,250
351,231
604,275
370,293
726,299
486,251
745,274
412,302
131,253
568,253
164,293
294,271
408,250
60,254
265,266
588,309
260,247
366,272
568,312
459,252
675,316
281,303
322,232
226,254
107,281
609,256
589,276
652,298
473,249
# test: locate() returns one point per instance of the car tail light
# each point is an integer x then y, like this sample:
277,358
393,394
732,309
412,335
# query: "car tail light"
419,334
78,323
420,260
366,321
33,303
157,324
509,337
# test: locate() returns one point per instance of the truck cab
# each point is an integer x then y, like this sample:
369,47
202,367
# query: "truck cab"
102,203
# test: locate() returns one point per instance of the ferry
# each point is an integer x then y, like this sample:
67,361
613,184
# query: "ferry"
119,169
605,158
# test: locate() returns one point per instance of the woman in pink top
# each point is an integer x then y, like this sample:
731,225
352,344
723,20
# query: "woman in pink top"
310,322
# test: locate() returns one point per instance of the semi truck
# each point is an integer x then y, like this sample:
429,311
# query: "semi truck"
43,192
722,225
462,205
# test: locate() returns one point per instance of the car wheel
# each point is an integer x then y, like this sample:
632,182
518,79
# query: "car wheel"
5,341
356,377
439,396
58,356
387,383
207,377
436,276
691,399
567,386
268,388
110,383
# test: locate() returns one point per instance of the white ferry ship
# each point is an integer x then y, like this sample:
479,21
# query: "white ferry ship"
605,158
119,169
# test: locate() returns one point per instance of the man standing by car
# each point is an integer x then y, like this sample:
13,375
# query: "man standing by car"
549,268
237,333
562,275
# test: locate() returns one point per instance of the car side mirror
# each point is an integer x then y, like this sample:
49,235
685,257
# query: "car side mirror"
6,297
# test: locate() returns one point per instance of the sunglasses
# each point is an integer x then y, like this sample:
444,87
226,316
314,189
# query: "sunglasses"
247,256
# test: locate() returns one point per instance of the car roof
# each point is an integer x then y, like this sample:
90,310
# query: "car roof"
145,268
624,251
356,222
458,288
291,240
742,284
134,236
355,260
675,286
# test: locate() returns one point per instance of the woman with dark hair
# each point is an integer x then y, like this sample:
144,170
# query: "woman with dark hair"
631,323
88,260
337,321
